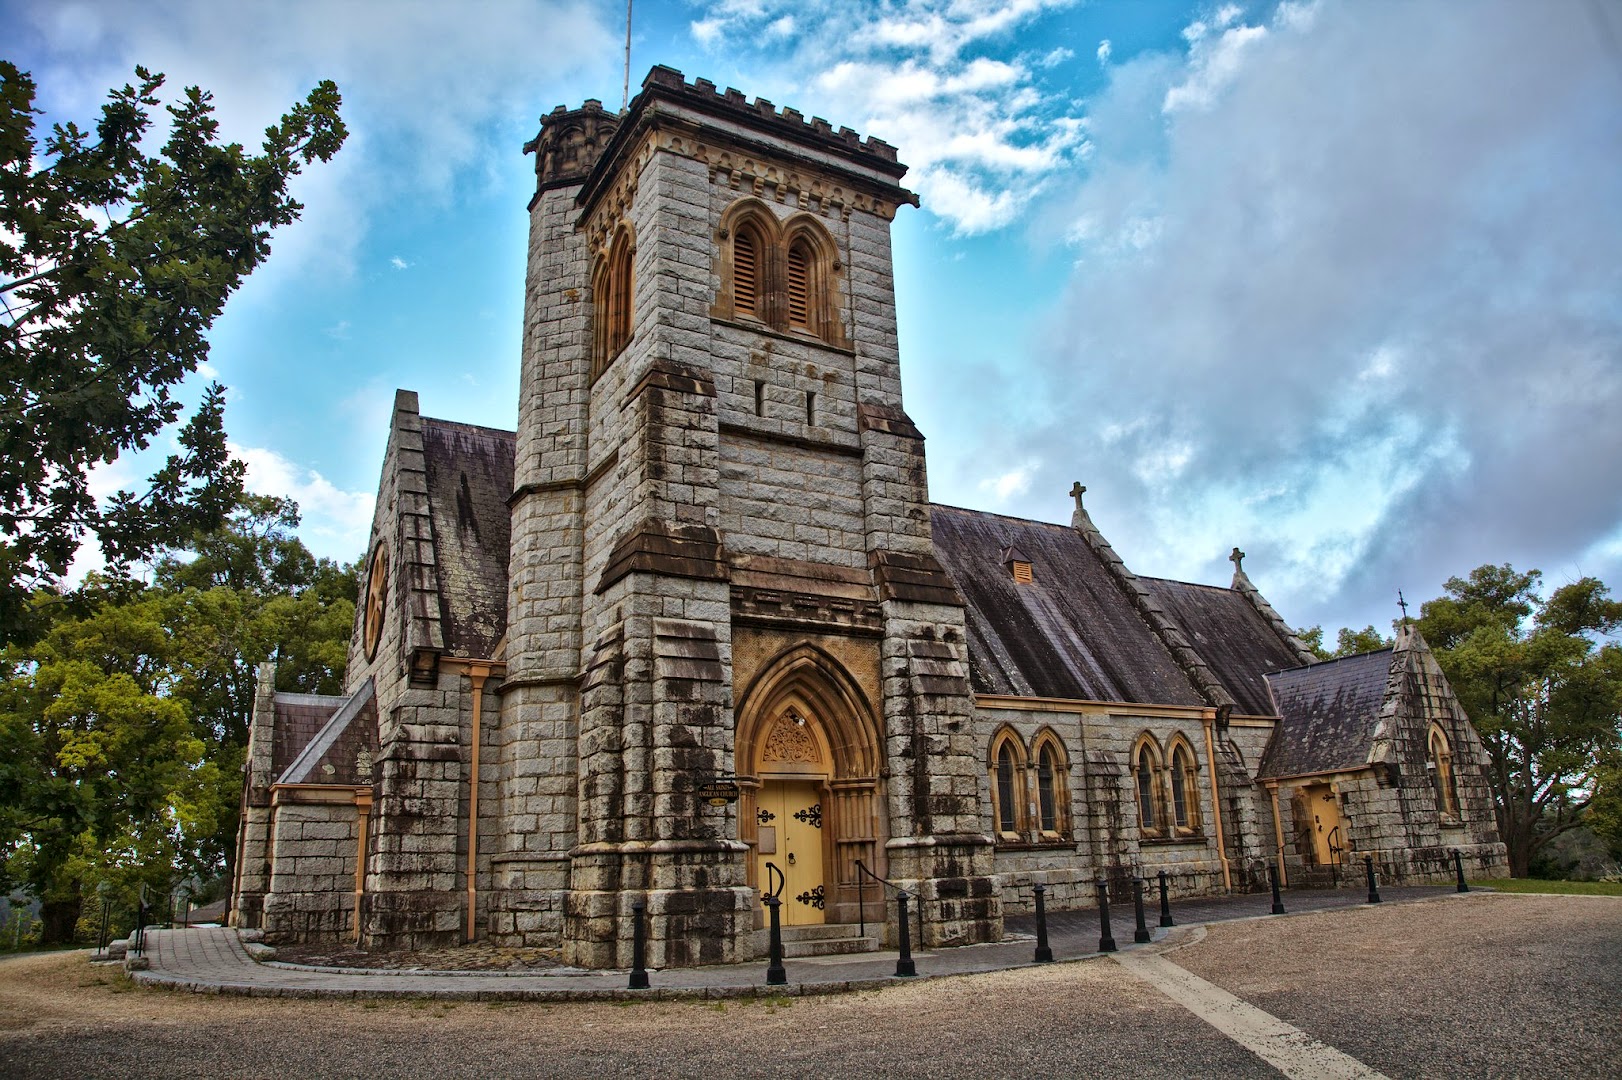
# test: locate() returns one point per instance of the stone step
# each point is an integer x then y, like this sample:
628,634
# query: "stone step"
820,930
822,940
829,946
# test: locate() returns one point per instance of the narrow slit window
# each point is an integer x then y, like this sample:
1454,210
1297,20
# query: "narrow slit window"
760,398
811,408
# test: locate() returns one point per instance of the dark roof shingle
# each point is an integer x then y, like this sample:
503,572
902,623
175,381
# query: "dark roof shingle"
1070,633
1230,636
470,478
1328,713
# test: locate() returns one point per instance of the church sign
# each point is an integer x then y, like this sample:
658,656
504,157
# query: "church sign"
718,792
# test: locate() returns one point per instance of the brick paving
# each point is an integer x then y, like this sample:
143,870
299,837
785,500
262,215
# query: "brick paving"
212,960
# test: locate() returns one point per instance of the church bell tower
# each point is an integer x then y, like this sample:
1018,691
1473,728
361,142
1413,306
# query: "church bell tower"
721,572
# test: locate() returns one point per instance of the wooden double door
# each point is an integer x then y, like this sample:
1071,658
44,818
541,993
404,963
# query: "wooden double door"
790,835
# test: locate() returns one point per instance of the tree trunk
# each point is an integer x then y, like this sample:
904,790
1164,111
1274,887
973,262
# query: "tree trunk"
59,920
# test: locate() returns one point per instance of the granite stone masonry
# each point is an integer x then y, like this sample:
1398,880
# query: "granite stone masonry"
693,634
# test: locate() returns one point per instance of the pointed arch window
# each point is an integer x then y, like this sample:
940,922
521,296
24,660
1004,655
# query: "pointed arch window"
1052,786
784,274
611,286
746,272
1185,789
1146,772
1439,763
799,285
1008,803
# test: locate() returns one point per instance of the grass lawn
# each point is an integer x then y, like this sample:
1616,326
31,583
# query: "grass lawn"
1570,888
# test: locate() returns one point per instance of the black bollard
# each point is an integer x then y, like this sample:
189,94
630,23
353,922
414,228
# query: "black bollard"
1458,868
1272,877
903,963
1374,889
639,948
1165,903
1044,955
1141,935
1106,941
775,975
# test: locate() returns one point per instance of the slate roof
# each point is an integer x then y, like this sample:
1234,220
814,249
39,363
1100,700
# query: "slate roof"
1328,713
342,750
1230,635
470,478
298,718
1071,633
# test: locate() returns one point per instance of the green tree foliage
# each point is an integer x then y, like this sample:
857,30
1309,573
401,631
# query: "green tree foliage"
1544,687
1348,642
113,265
122,728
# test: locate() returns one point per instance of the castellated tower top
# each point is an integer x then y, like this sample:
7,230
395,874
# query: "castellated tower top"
582,146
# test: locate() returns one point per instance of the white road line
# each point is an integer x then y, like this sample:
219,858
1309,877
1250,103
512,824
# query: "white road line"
1288,1049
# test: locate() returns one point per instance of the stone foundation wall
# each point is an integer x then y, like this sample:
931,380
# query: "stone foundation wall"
312,880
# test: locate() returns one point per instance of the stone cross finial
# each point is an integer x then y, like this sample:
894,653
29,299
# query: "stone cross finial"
1238,559
1077,490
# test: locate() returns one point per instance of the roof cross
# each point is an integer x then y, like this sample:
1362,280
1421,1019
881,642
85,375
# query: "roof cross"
1403,604
1077,490
1238,559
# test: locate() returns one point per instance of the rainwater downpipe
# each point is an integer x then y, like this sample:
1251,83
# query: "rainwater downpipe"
1216,798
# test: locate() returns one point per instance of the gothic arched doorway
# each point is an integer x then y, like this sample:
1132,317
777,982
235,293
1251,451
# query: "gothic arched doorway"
808,752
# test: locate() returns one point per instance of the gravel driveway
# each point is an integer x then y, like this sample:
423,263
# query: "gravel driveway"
1477,985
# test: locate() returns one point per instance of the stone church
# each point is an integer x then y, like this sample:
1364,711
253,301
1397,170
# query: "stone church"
695,631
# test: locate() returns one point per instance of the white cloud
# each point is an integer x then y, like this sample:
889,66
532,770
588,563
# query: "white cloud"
1213,65
431,91
1016,481
945,79
1357,297
1104,51
336,524
399,263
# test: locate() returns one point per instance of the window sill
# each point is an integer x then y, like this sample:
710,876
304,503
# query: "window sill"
1061,844
802,338
1172,841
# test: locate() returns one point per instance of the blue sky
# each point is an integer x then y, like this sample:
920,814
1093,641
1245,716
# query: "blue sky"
1336,283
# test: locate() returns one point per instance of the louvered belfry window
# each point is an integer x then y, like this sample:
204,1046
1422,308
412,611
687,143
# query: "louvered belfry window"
799,286
745,274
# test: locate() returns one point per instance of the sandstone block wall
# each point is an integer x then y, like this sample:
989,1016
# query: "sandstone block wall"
312,884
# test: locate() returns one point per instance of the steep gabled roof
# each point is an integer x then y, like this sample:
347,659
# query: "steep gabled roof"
342,750
1070,633
1224,627
469,476
297,719
1328,714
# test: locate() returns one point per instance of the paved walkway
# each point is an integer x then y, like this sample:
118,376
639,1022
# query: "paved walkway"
212,960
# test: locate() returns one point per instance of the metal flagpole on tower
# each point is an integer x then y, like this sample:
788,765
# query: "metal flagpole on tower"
625,98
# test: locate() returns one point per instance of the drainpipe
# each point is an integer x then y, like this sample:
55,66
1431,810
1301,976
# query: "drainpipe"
1278,833
363,813
1209,719
478,673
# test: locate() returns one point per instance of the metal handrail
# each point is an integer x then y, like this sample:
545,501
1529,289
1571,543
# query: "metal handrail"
861,898
782,879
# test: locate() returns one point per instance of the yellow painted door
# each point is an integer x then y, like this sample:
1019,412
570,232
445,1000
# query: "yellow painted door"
788,819
1328,840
